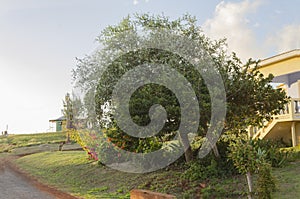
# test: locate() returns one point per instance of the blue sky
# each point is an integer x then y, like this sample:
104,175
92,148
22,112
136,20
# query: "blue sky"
39,40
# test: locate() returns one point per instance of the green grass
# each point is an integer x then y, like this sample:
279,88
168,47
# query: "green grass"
288,179
7,143
72,172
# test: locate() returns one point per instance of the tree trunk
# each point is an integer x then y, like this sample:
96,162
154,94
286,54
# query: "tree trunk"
68,138
188,154
216,151
250,185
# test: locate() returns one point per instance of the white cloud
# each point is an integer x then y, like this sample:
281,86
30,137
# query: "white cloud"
278,12
286,39
135,2
256,25
230,21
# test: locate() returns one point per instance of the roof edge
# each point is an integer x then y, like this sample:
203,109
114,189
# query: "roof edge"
279,57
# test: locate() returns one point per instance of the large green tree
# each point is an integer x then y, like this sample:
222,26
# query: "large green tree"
249,96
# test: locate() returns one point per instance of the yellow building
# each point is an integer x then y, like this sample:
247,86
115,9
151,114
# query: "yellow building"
286,126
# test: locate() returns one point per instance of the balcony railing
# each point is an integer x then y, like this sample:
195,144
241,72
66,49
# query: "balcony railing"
297,106
291,112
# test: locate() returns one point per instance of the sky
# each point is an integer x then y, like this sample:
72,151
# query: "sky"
40,40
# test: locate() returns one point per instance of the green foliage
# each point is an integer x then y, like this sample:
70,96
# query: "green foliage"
198,172
246,155
68,111
148,145
224,163
249,97
216,192
149,95
124,141
109,148
265,182
253,156
210,166
274,155
293,153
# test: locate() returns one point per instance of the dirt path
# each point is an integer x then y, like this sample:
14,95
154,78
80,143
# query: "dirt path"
15,184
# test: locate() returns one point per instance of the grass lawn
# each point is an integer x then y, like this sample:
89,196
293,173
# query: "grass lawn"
288,179
72,172
7,143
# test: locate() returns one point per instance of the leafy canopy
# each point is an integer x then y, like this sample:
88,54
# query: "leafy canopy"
249,96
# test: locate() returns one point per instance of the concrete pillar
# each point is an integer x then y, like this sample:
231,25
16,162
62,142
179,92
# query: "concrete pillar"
298,132
293,131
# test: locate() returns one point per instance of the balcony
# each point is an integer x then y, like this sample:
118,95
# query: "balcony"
285,118
291,111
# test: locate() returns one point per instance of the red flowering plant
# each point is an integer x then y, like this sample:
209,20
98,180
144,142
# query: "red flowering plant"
109,148
87,140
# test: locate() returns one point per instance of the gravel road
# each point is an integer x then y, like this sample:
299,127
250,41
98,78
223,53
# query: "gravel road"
14,186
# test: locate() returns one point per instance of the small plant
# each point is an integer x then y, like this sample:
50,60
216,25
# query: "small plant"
249,157
197,171
292,153
213,192
275,156
265,182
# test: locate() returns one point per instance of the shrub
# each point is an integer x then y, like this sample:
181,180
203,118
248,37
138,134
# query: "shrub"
252,156
265,182
129,143
200,170
195,171
292,153
274,155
